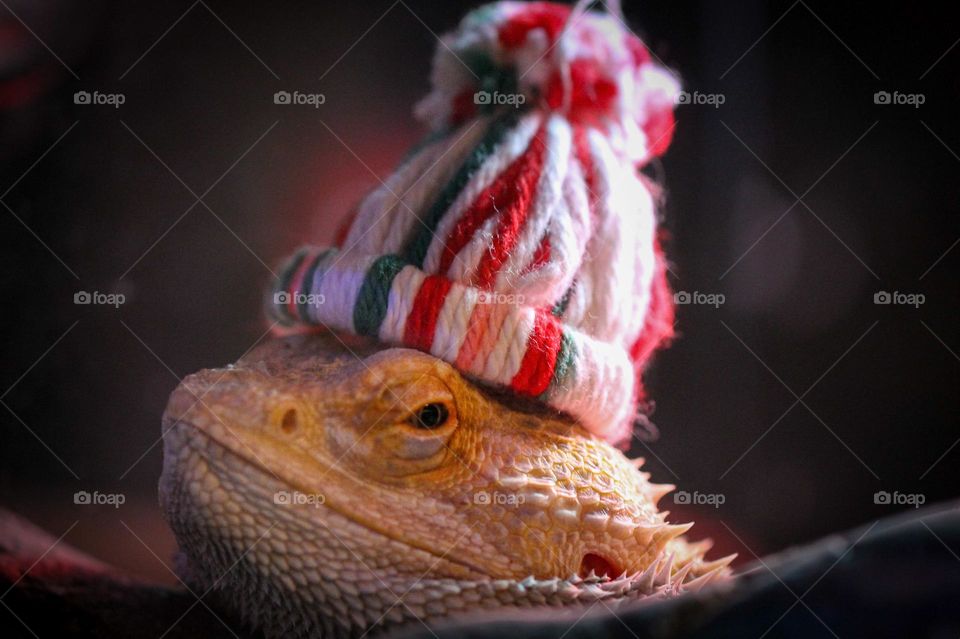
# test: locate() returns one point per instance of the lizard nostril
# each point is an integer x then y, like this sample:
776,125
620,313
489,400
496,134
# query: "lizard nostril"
289,422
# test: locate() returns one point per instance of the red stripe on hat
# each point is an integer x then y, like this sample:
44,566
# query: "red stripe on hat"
297,281
422,321
498,196
463,107
514,213
545,16
638,51
581,149
543,344
658,325
540,257
476,330
659,128
587,93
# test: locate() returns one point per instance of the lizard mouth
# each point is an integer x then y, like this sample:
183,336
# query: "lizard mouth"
598,565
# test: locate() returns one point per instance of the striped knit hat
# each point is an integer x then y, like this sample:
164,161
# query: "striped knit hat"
518,242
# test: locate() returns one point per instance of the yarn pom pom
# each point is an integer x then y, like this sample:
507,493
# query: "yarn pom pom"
583,64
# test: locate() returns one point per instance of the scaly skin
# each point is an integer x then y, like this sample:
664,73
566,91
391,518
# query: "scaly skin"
504,504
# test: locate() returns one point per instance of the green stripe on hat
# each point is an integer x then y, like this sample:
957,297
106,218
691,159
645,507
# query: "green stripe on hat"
277,303
561,306
428,140
371,305
416,250
563,367
303,303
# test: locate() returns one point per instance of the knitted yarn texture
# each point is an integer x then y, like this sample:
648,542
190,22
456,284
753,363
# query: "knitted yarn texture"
518,242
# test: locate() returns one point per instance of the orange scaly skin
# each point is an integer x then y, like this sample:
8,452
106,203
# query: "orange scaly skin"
300,485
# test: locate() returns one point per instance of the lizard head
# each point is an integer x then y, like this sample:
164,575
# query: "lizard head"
326,486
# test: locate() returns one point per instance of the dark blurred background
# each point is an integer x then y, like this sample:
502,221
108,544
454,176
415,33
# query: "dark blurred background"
797,199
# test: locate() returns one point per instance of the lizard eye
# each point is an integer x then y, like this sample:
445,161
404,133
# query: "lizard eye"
430,416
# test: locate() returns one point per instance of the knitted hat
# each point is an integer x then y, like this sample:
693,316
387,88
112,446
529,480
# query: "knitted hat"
518,241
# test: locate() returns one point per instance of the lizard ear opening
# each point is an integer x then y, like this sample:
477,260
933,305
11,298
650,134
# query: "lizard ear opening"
598,565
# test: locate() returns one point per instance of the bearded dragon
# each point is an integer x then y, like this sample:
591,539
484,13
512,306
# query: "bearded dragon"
326,489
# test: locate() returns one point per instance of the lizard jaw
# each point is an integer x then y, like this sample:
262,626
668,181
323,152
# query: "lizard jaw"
293,569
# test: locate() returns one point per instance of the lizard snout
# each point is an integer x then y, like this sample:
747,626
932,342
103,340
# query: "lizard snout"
231,402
